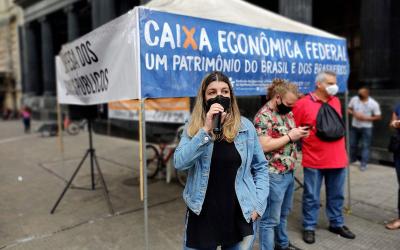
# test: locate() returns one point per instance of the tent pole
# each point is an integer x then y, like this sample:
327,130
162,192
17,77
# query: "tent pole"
59,128
143,169
346,101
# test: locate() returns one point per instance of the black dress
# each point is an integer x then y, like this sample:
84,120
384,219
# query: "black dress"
221,221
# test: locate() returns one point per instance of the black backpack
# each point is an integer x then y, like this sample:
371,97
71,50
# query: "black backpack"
330,126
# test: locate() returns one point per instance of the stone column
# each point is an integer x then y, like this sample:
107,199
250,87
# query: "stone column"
395,42
22,57
107,11
95,13
102,12
299,10
375,43
31,61
72,22
48,64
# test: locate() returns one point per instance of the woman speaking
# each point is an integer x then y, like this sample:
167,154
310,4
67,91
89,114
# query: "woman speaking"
227,186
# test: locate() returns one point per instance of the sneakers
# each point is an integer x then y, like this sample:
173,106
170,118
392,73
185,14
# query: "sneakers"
342,231
309,236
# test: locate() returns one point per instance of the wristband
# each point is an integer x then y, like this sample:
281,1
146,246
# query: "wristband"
290,139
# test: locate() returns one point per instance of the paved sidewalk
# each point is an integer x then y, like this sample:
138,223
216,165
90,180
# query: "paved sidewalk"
34,172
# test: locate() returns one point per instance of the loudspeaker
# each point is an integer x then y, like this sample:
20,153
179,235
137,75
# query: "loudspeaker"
78,112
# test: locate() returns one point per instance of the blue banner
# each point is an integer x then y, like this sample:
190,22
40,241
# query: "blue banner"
177,51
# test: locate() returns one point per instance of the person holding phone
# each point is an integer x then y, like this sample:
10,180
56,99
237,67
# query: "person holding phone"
227,185
395,124
306,126
278,134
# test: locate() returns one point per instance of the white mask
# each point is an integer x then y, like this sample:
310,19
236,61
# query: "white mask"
332,89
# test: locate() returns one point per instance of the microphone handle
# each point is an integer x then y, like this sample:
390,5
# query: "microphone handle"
217,124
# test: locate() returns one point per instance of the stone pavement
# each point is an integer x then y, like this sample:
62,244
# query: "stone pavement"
34,172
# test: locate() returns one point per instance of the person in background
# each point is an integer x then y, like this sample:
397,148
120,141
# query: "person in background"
365,110
26,118
395,123
227,185
322,160
277,133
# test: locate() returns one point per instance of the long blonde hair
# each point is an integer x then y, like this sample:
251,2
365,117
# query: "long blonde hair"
232,120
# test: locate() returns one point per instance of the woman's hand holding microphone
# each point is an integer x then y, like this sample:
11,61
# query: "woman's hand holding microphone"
215,109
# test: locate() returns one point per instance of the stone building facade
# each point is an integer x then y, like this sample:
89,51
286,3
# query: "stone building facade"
370,27
10,71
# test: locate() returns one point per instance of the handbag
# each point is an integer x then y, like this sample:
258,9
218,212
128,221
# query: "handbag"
394,144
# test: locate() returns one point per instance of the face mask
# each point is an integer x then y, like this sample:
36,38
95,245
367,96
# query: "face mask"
224,101
283,109
332,89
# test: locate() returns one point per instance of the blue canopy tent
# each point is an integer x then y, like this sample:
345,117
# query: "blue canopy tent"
165,48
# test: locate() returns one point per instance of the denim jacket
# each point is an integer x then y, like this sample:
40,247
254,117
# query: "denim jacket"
252,180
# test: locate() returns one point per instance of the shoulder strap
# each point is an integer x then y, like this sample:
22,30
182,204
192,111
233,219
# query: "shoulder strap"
311,97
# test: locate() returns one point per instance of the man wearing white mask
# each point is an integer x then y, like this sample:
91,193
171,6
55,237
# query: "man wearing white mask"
323,158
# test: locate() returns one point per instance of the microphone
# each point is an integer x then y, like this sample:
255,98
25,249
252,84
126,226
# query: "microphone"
217,123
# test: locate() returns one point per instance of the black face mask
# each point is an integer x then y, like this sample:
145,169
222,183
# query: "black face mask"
224,101
283,109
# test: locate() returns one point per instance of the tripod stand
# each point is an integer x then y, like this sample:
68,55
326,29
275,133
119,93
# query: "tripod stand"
93,162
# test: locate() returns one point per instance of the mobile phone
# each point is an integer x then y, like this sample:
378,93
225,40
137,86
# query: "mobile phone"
307,126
